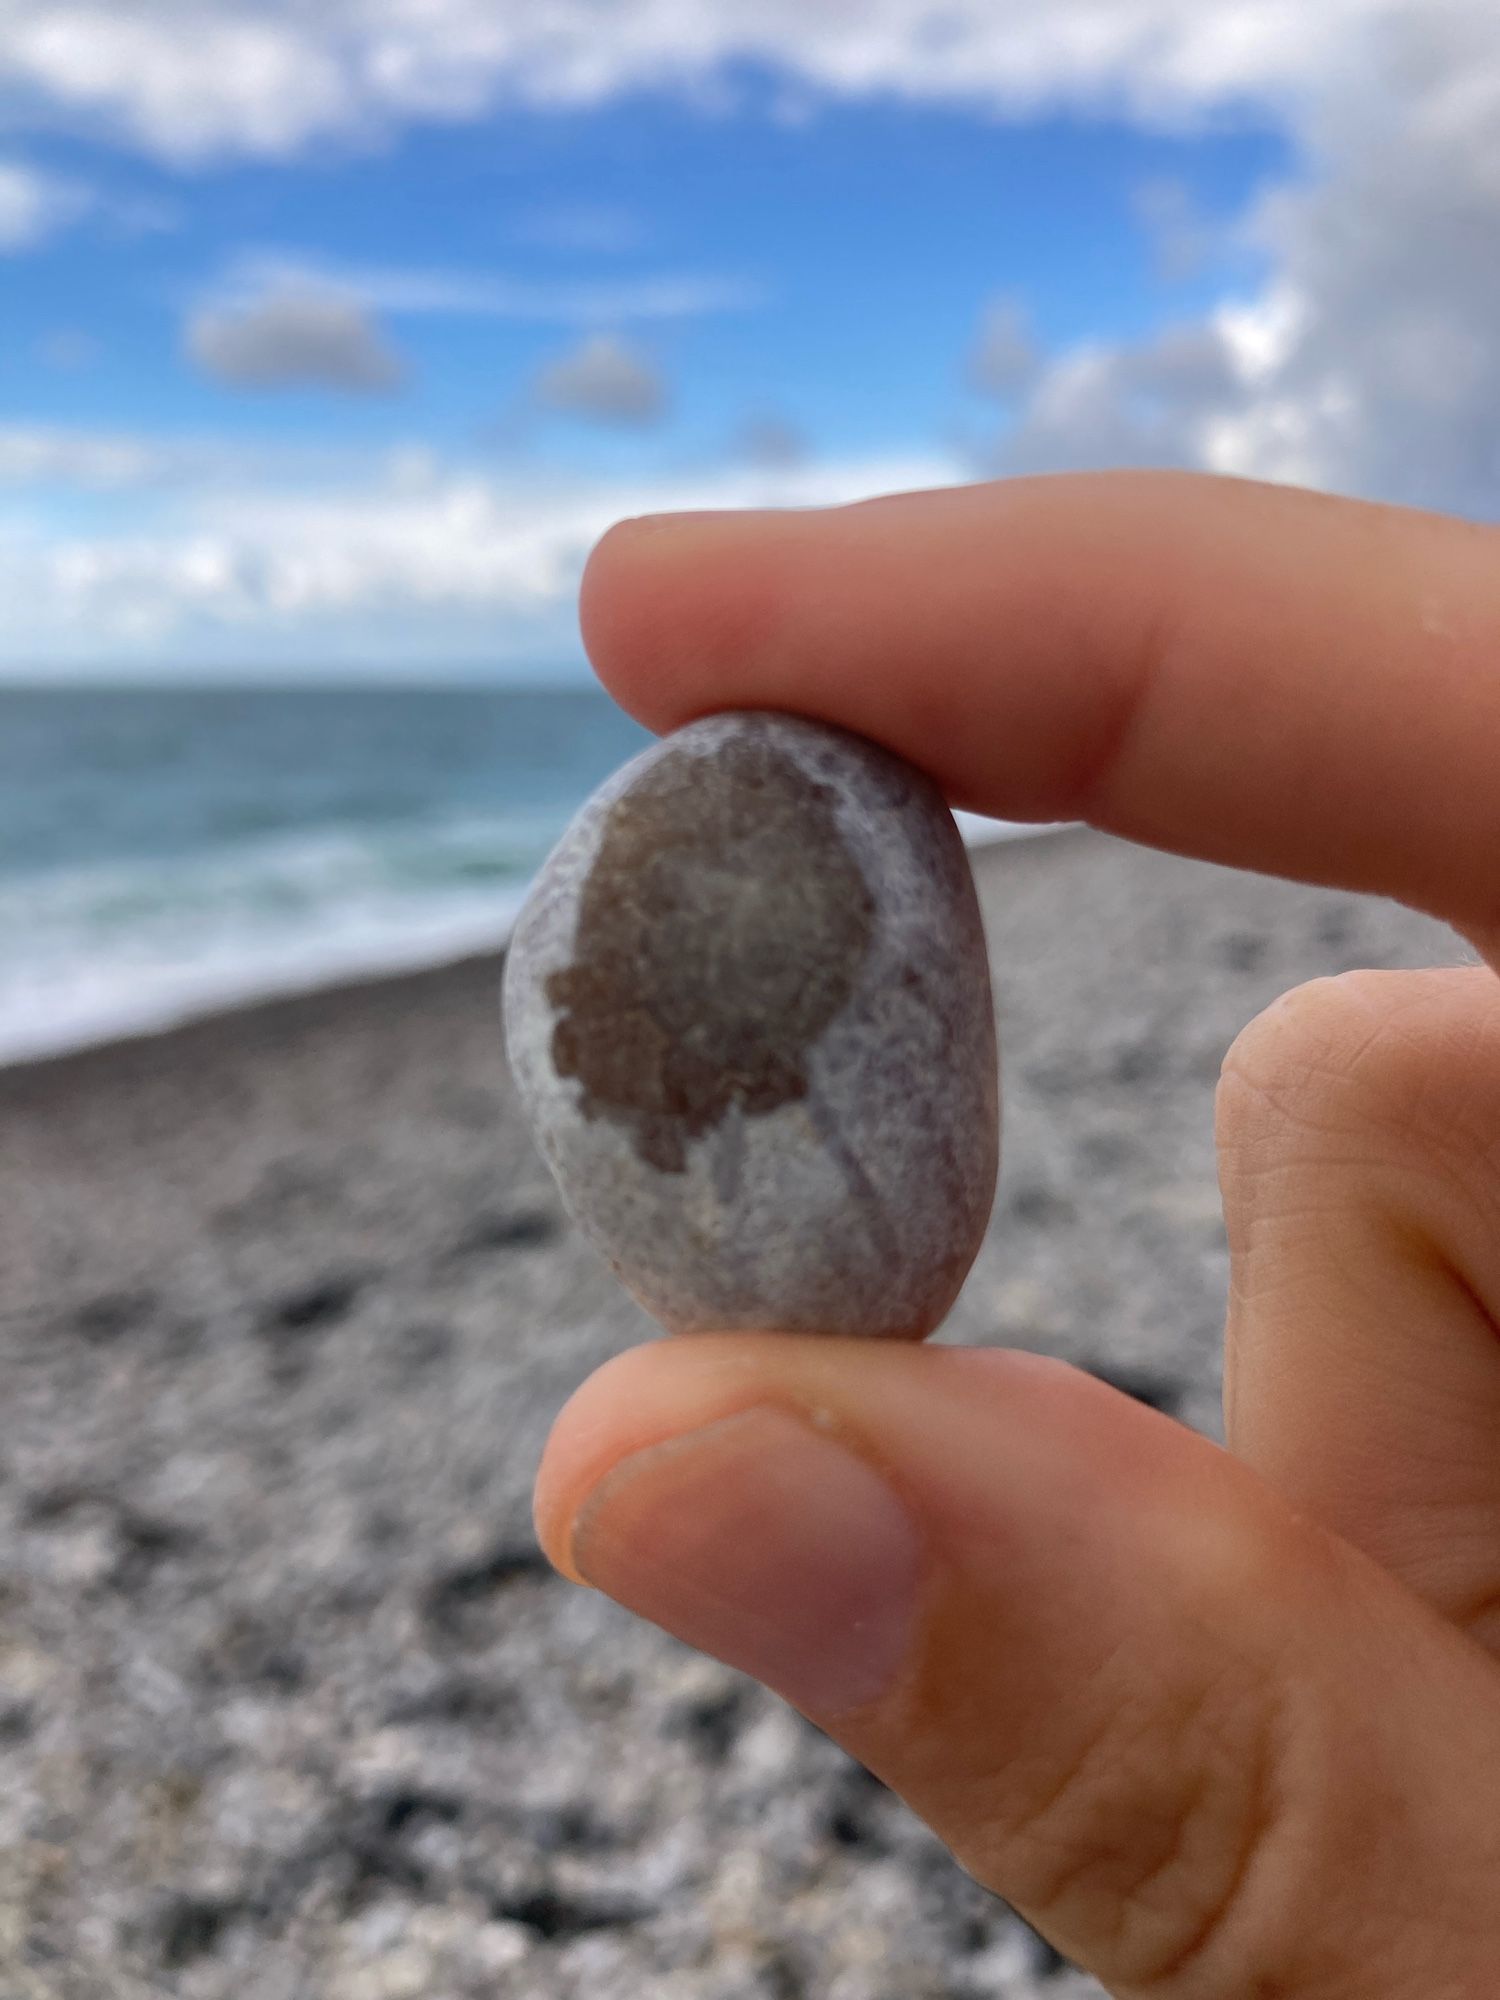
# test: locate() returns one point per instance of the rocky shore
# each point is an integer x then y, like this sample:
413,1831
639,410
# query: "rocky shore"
290,1706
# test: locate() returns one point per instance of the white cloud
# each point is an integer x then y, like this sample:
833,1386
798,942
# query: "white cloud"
196,77
1384,244
406,559
45,457
605,380
487,295
295,339
33,205
1368,361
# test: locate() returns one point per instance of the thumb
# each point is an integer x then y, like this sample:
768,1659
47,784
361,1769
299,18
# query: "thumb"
1204,1746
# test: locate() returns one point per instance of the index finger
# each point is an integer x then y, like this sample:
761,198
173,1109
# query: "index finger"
1251,674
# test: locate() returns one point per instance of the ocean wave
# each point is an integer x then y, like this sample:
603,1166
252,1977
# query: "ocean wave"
136,946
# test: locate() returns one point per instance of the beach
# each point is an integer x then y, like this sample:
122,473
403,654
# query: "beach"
290,1704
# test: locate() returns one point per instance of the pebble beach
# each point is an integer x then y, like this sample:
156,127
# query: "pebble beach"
291,1708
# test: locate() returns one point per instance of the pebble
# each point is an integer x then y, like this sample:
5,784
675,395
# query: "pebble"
748,1009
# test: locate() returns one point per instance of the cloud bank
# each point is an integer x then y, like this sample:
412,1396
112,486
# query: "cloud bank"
1364,359
356,565
1374,367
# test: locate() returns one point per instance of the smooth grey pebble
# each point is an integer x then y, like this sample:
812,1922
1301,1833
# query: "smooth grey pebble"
748,1009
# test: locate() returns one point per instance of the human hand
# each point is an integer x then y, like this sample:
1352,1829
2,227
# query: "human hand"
1220,1723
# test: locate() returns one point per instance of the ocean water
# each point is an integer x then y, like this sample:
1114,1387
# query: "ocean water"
164,852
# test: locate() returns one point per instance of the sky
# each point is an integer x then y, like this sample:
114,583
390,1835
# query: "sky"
333,332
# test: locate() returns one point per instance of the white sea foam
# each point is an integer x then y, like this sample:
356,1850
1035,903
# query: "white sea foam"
132,947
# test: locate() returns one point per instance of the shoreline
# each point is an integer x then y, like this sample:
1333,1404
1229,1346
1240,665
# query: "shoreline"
980,837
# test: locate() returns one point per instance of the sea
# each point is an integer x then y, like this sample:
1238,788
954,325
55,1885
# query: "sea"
166,852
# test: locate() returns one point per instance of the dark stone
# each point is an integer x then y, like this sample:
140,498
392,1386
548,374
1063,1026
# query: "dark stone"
190,1928
557,1918
712,1726
314,1306
144,1543
473,1584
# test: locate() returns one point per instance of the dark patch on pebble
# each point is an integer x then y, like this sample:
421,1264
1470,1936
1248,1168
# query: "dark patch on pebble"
722,928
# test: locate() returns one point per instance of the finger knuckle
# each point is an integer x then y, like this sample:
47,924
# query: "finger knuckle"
1332,1060
1159,1858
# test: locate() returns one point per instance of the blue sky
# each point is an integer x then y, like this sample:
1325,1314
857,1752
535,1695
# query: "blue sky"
327,346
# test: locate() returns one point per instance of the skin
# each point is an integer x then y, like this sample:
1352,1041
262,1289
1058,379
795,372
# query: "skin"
1220,1722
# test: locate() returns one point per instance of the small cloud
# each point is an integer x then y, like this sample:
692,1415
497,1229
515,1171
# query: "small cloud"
34,205
296,340
584,229
606,380
773,443
68,349
417,292
1005,360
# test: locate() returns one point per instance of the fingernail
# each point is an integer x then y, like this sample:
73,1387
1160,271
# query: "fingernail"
767,1543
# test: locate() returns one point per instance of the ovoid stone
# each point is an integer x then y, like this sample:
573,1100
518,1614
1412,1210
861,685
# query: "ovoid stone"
748,1009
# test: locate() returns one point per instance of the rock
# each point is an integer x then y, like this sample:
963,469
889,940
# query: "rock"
748,1009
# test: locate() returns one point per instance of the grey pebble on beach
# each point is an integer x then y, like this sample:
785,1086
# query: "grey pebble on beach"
748,1009
290,1706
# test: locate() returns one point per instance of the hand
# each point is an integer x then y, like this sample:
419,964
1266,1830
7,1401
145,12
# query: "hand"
1220,1723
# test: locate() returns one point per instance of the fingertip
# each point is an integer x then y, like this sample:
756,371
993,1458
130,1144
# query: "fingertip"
590,1435
639,1399
669,603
